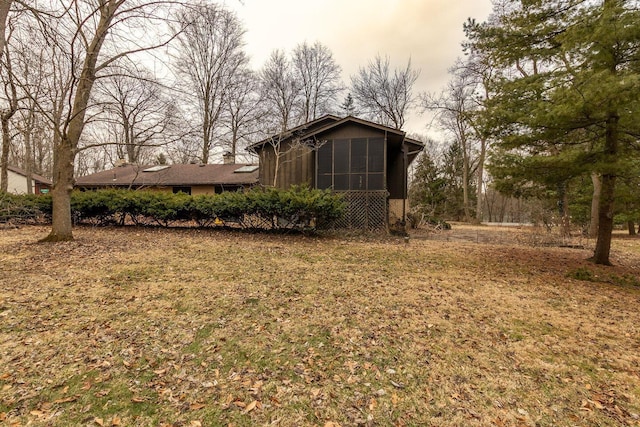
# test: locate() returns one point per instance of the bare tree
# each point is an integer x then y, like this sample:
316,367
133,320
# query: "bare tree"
243,111
382,94
319,79
453,107
138,114
82,41
210,57
280,89
477,72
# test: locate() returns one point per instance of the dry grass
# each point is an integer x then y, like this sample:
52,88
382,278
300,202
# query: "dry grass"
152,327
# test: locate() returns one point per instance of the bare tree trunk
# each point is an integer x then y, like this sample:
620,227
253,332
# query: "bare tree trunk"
63,159
632,228
465,173
5,5
5,116
566,218
607,196
595,204
483,150
4,158
28,159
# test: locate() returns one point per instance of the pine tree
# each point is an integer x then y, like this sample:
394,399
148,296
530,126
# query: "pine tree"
568,95
348,107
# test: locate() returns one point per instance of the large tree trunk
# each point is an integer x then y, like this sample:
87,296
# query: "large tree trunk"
63,159
607,196
632,228
595,204
4,158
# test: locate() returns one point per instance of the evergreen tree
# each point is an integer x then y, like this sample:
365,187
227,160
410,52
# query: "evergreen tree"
568,95
427,192
348,107
452,173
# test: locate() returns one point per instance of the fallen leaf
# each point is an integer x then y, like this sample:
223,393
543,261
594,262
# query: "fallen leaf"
394,399
372,405
250,407
66,399
99,421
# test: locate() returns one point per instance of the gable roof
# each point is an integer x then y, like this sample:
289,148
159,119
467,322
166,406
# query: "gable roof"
302,129
34,176
173,175
328,122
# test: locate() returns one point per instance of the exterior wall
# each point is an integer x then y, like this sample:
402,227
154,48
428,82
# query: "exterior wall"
202,189
294,166
395,209
17,184
395,174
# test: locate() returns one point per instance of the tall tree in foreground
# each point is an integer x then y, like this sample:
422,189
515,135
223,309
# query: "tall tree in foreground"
83,41
570,77
383,94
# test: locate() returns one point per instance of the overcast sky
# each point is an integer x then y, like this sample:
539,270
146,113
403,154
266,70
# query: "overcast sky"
427,31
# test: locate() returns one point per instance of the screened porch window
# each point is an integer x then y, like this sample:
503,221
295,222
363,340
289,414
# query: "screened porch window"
351,164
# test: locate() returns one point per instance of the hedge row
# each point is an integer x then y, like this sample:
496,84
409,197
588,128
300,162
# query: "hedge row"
260,208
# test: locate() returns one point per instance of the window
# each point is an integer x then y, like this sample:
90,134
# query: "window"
351,164
186,190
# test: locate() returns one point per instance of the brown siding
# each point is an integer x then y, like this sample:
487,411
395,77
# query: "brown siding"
295,166
351,130
395,174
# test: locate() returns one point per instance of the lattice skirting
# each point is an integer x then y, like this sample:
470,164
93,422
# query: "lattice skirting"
366,210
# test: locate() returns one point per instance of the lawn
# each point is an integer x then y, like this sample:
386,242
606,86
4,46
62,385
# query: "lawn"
151,327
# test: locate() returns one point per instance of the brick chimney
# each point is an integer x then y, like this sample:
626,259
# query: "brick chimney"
229,158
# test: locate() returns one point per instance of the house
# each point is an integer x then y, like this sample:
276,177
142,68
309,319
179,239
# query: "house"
187,178
365,161
17,182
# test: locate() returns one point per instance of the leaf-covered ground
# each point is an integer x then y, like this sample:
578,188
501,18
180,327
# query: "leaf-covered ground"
146,327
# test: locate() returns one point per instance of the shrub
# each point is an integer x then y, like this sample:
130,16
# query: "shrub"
23,208
299,208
